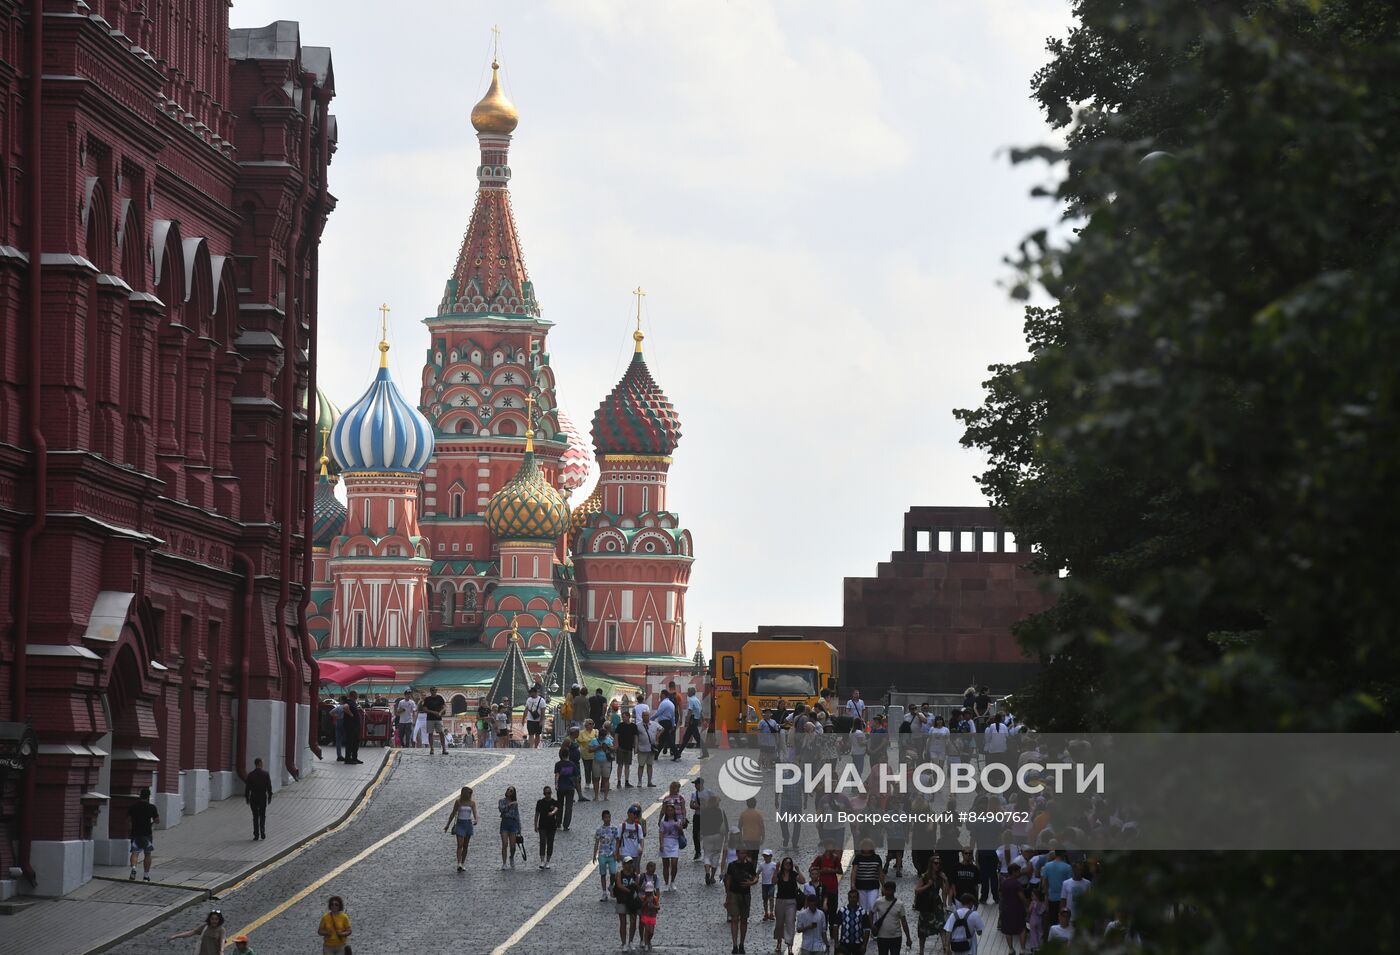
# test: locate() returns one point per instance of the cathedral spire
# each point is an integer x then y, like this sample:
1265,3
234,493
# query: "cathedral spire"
490,276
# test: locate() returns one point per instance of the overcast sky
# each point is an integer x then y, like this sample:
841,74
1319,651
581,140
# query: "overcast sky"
816,197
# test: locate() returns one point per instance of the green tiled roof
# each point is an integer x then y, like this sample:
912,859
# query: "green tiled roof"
456,676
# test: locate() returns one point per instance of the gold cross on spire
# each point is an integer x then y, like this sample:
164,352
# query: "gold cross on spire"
637,336
530,421
325,450
495,45
383,336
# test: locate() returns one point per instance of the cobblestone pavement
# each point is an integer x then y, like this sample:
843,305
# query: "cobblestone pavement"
405,895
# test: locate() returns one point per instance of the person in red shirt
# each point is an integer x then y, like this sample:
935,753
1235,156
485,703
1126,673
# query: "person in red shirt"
829,871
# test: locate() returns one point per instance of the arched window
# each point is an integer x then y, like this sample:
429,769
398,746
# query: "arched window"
507,428
457,504
466,427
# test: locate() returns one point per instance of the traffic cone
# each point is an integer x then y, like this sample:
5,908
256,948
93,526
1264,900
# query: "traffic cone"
723,735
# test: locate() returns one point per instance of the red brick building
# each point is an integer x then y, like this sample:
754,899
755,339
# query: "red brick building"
938,614
162,196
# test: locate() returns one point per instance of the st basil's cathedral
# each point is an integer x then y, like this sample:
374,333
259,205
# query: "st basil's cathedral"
459,558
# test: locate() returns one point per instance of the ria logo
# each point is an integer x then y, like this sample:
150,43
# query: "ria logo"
741,778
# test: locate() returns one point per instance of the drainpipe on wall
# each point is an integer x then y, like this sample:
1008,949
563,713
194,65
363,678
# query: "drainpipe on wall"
308,528
40,448
289,350
241,740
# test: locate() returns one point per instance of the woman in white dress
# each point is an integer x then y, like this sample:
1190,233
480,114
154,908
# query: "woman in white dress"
672,829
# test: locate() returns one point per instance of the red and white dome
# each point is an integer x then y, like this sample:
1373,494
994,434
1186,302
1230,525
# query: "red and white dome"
577,459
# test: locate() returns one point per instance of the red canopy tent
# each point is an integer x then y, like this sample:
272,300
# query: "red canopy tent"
348,674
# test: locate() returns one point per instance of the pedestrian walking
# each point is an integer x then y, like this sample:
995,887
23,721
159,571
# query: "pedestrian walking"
461,822
672,830
852,926
605,840
601,748
694,720
767,868
648,737
963,927
598,708
666,717
210,934
509,807
565,784
1036,920
751,827
633,833
889,923
626,736
651,908
1061,931
787,892
626,892
485,726
335,928
240,945
405,712
338,728
811,922
714,829
698,802
503,716
930,901
586,736
576,752
352,720
1011,909
257,792
546,823
435,706
141,819
534,717
740,876
867,872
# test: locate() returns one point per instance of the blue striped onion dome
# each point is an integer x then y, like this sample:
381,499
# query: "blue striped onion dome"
382,431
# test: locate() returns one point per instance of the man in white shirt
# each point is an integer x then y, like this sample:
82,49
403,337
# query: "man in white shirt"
855,706
666,716
1075,887
963,925
994,739
405,711
811,922
534,718
640,708
1062,932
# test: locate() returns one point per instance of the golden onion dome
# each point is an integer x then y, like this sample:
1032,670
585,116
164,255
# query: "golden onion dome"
528,507
495,113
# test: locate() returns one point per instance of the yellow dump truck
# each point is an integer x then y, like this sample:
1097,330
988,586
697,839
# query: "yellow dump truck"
764,673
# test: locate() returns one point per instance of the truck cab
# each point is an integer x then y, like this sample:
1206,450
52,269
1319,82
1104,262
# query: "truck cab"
765,673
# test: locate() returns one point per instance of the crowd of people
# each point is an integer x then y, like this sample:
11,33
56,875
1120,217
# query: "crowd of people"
849,897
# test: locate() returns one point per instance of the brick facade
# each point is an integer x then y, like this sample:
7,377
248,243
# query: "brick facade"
181,200
938,614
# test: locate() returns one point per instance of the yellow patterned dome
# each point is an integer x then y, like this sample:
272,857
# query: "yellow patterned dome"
528,507
495,113
592,505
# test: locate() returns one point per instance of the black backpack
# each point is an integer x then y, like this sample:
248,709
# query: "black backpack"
963,944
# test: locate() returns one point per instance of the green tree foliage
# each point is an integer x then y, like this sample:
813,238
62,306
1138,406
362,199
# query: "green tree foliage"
1206,438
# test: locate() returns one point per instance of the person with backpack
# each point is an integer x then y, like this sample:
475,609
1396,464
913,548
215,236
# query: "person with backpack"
534,717
565,781
963,928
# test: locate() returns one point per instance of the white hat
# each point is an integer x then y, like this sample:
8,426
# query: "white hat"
768,852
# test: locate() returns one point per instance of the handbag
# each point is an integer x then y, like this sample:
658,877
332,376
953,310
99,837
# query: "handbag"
681,842
520,841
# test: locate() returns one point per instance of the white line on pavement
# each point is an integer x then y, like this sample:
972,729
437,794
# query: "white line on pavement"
584,874
346,865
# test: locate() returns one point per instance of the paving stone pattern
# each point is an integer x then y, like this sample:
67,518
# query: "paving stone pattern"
407,896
